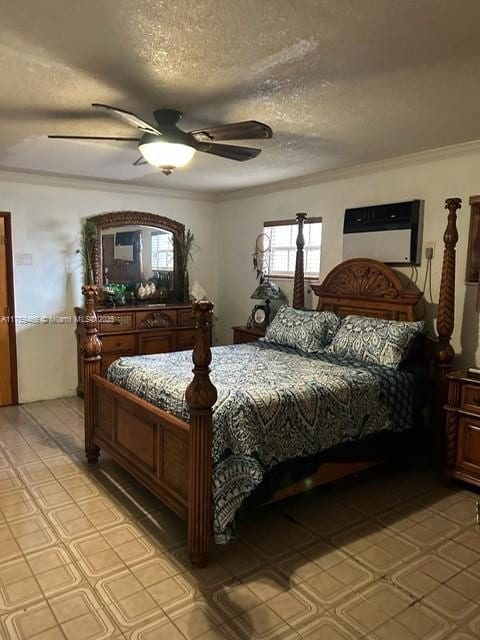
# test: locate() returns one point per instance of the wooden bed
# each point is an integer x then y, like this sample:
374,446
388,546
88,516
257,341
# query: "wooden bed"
172,458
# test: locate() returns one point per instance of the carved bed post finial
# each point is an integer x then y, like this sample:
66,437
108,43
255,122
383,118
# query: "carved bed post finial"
200,395
299,281
92,358
444,353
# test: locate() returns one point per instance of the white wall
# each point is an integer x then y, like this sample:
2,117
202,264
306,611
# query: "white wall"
46,224
433,180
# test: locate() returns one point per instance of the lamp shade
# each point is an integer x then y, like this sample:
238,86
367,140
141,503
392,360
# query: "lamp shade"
267,291
166,154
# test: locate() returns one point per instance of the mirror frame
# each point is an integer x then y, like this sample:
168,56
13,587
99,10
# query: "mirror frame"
136,218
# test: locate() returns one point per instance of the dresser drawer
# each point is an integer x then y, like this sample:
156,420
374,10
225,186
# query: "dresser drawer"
161,342
120,343
185,318
471,398
186,339
115,322
156,319
468,448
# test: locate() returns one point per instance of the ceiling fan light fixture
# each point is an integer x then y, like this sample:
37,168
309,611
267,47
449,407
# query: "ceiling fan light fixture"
166,155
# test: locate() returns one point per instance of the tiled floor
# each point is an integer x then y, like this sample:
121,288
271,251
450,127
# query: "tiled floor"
87,554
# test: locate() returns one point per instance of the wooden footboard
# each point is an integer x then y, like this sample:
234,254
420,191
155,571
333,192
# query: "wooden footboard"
172,458
148,442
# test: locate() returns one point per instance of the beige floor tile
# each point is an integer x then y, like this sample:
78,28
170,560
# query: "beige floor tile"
393,630
462,556
195,619
450,603
266,584
31,621
9,480
235,599
294,607
466,584
172,593
153,571
361,614
423,576
135,608
91,623
161,629
329,627
262,622
422,621
210,577
298,568
238,559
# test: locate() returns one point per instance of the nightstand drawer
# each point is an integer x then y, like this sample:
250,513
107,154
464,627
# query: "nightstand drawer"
468,450
471,398
246,334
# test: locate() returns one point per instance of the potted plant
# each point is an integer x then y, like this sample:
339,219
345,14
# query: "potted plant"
184,247
87,246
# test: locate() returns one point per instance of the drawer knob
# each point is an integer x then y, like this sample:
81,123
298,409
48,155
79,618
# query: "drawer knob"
476,400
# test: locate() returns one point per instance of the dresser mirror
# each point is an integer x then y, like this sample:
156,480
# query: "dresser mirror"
136,258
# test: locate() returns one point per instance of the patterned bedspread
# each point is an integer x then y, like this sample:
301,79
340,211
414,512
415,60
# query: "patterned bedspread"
273,405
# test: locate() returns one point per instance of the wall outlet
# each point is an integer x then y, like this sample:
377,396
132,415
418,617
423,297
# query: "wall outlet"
429,250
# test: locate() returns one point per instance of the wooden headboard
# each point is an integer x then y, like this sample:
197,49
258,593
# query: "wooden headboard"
366,287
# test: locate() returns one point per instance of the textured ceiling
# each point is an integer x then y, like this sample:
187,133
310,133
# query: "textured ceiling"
340,82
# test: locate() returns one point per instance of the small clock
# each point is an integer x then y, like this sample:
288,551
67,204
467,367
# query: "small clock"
260,316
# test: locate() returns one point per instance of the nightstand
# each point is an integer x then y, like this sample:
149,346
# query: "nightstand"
462,428
246,334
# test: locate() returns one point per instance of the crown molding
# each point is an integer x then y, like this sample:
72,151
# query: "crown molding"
330,175
61,180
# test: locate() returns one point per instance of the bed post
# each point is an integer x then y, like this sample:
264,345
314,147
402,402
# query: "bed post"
200,395
444,353
92,358
299,281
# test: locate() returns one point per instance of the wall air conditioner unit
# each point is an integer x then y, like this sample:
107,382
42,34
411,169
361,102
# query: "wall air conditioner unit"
391,233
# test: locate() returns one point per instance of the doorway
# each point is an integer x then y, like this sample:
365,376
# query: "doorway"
8,348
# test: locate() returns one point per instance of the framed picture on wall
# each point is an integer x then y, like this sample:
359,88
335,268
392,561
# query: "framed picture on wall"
473,259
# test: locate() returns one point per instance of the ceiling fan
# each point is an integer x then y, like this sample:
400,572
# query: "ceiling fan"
166,146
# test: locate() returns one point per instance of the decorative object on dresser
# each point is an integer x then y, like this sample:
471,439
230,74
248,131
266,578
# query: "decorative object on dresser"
137,330
462,450
247,334
172,456
184,245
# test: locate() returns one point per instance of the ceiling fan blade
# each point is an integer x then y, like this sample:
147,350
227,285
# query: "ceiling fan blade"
139,161
248,130
127,117
229,151
116,138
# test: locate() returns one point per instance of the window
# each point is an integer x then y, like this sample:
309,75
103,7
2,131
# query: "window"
162,251
283,247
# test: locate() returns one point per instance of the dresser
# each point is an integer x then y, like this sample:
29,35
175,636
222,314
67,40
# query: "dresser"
138,330
462,428
247,334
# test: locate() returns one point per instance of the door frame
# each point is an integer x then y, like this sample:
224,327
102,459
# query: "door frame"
7,216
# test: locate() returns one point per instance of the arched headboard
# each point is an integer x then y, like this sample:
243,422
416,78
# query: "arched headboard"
366,287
